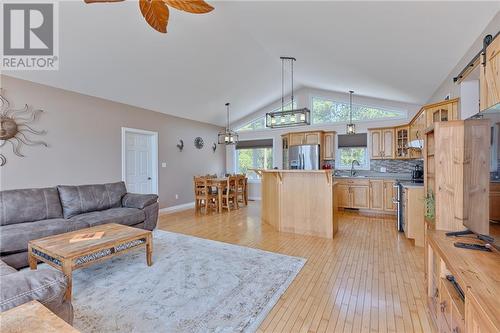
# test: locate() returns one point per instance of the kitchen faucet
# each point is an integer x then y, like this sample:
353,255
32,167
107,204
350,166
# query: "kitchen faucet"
352,167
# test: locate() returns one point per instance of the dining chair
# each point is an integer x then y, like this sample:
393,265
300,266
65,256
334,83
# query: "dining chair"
229,194
203,195
241,189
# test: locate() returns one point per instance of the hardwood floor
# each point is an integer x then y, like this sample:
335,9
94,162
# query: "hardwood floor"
369,278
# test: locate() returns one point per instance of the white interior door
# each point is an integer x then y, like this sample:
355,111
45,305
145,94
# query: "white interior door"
139,172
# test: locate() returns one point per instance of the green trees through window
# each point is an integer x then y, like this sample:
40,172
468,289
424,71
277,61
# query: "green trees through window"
260,123
253,158
347,155
328,111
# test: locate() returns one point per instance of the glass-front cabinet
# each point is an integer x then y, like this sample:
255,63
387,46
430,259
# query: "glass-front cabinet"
402,137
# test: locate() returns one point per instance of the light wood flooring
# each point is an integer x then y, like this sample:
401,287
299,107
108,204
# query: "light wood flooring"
369,278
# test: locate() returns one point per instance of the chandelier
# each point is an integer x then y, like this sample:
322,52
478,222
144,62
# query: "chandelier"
351,128
289,118
227,136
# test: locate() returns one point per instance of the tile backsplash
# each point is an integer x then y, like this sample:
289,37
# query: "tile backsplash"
395,166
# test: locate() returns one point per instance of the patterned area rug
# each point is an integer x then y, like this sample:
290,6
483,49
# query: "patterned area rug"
194,285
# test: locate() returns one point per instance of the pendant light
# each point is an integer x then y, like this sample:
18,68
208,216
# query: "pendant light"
294,117
227,137
351,128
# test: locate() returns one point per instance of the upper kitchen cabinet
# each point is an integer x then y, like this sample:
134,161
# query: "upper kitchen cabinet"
303,138
442,111
312,138
402,140
489,79
296,139
329,146
417,130
382,143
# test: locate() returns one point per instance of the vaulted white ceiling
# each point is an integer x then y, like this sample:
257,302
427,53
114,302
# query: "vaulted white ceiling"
393,50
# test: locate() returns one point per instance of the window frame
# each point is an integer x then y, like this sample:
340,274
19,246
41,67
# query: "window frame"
364,167
236,161
404,112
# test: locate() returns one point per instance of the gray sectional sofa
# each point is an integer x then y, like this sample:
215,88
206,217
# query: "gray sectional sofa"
35,213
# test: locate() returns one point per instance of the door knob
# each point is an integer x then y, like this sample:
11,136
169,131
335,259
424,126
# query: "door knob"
149,178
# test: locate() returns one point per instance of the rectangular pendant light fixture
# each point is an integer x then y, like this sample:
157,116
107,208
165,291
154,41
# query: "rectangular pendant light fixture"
289,118
279,119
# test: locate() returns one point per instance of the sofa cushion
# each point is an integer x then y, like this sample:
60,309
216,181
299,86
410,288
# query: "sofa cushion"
6,269
15,237
126,216
89,198
28,205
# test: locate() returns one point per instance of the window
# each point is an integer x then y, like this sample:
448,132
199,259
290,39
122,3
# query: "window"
352,147
328,111
260,123
346,155
255,125
253,158
254,154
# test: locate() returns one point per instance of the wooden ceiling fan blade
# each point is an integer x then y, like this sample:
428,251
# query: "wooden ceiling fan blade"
190,6
156,14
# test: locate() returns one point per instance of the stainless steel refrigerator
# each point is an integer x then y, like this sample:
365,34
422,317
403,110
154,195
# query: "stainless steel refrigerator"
305,157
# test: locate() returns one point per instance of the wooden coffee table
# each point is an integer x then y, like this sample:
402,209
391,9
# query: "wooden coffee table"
60,253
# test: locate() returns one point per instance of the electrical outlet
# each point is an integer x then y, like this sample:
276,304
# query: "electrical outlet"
383,169
176,197
163,164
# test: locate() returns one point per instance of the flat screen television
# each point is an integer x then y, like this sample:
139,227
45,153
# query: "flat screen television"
493,115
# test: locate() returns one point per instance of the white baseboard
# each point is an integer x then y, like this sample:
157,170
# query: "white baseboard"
177,208
255,198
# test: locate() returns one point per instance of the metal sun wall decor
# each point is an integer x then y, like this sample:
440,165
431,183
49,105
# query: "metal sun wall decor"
14,127
156,12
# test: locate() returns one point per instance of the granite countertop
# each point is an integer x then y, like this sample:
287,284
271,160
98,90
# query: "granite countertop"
375,175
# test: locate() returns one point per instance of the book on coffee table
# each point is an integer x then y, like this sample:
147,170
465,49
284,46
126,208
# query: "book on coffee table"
86,236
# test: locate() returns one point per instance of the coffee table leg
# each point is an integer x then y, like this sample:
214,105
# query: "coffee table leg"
149,250
31,259
67,270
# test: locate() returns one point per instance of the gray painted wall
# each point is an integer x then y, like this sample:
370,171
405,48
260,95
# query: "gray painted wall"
84,134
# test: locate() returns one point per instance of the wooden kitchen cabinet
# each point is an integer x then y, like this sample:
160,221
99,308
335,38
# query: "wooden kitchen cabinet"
413,208
360,196
312,138
417,132
329,146
377,194
343,195
296,139
304,138
389,196
369,194
402,139
382,143
489,77
442,111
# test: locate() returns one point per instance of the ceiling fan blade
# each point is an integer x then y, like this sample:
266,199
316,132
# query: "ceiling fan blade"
156,14
190,6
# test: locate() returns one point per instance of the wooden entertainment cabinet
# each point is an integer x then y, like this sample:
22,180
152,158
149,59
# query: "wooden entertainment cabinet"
477,275
456,171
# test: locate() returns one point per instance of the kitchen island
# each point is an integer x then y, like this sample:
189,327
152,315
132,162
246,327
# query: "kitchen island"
298,201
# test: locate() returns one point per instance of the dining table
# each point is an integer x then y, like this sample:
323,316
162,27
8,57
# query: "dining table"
220,184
